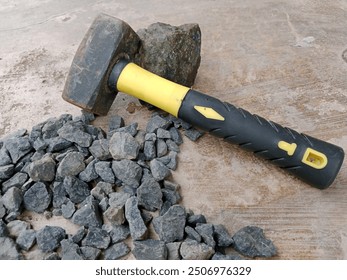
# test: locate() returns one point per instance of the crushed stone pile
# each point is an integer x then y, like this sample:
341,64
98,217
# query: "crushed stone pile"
116,187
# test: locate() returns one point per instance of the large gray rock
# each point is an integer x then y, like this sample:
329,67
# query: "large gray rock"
6,171
74,133
89,174
179,49
88,215
251,242
118,232
103,169
207,233
26,239
170,226
149,194
42,169
150,250
17,180
222,236
18,147
159,170
48,238
4,157
37,198
97,237
123,146
127,171
100,149
76,189
138,229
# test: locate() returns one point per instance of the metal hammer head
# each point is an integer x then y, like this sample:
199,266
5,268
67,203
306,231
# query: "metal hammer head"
107,40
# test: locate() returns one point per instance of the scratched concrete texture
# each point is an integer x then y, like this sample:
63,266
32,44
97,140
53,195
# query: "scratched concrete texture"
283,60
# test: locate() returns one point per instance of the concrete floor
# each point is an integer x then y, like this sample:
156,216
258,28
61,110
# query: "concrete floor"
283,60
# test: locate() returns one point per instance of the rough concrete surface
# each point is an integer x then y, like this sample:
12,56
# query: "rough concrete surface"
283,60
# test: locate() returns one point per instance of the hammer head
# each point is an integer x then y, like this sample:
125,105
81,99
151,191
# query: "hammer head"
107,40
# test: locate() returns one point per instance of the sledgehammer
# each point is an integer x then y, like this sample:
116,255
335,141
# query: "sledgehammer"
102,67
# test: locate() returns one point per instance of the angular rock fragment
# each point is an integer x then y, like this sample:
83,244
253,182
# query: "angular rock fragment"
39,144
192,234
138,229
123,146
172,146
88,215
149,194
98,193
176,135
156,122
103,169
3,229
6,171
179,48
48,238
170,160
71,165
118,232
115,215
76,189
70,250
251,242
118,199
89,174
100,149
68,209
171,196
75,134
12,199
16,227
37,198
159,170
170,226
90,253
131,129
42,169
26,239
161,148
193,220
173,250
150,250
192,250
207,232
18,147
17,180
9,250
79,235
127,171
107,188
57,144
116,251
222,236
4,157
59,194
149,150
163,133
96,237
115,122
193,134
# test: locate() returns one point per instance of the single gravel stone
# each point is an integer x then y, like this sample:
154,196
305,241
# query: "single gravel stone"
159,170
176,135
193,220
172,146
79,235
115,122
37,198
150,250
71,165
170,160
123,146
149,150
161,148
107,188
42,169
6,171
98,193
170,226
57,144
97,237
68,209
104,170
116,251
118,199
173,250
12,199
222,236
88,215
127,171
59,194
156,122
26,239
131,129
39,144
18,147
206,231
17,180
70,250
251,242
163,133
149,194
193,134
16,227
138,229
74,133
192,234
115,215
90,253
9,249
4,157
76,189
48,238
192,250
171,196
3,229
118,232
89,174
100,149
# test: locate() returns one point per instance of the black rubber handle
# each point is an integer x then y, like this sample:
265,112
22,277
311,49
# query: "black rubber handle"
314,161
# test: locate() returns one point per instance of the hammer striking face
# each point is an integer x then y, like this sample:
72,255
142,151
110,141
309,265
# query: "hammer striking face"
107,40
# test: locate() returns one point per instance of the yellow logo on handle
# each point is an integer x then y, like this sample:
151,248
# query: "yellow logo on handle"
209,113
289,148
315,159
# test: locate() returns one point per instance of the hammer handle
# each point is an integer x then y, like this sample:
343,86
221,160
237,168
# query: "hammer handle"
314,161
